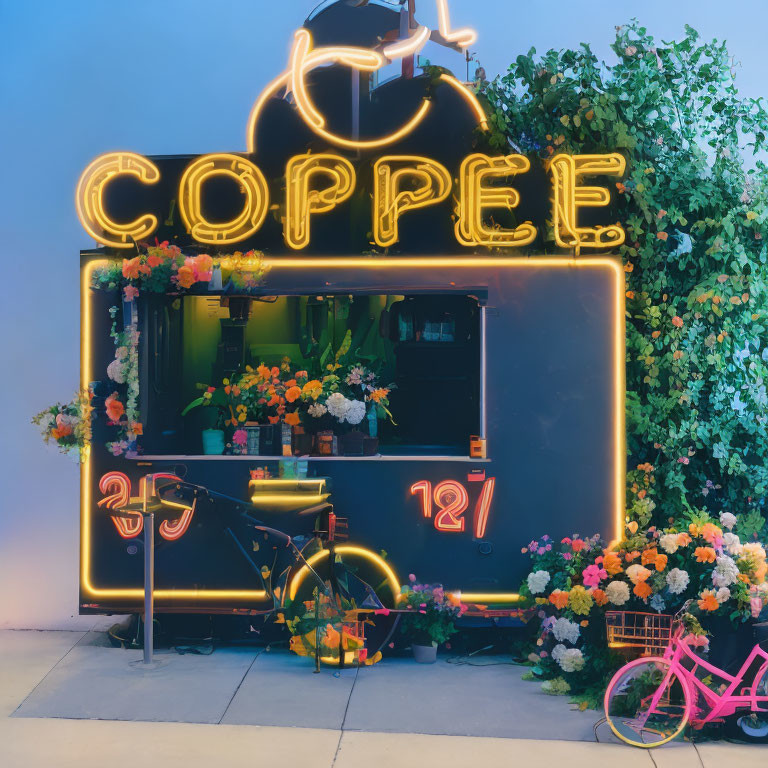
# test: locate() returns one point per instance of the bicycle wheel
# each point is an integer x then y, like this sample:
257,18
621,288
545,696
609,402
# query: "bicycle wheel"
349,613
647,704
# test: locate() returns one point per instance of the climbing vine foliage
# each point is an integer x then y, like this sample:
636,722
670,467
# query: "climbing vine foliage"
694,206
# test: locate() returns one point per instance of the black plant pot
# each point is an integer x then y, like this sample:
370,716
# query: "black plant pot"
351,443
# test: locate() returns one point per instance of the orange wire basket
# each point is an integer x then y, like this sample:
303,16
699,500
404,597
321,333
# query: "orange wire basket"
648,632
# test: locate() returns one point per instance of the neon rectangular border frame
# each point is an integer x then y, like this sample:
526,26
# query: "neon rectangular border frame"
319,263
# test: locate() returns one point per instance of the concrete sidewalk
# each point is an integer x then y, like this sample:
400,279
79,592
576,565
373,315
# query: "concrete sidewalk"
57,688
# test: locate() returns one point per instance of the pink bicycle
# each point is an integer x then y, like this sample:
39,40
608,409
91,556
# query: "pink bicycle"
650,700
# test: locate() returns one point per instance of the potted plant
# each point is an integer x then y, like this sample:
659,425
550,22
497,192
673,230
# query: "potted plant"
429,618
229,413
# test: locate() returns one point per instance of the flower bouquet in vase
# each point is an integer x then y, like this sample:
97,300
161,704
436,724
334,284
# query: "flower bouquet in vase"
429,619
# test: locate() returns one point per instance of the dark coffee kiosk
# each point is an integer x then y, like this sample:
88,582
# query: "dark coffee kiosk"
502,351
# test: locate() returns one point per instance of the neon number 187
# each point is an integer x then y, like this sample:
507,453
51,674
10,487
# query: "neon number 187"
451,501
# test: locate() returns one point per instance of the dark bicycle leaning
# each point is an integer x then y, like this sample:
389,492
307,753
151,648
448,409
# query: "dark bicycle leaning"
336,598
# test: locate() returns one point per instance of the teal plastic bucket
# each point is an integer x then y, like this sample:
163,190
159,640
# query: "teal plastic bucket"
213,442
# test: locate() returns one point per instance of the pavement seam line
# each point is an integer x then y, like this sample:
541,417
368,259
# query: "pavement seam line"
234,693
698,754
42,679
344,718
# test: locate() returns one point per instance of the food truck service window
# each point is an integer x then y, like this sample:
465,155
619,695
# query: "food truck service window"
426,348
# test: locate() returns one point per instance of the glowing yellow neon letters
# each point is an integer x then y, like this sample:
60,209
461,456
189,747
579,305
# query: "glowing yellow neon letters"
252,183
302,200
430,183
401,183
475,196
567,170
89,198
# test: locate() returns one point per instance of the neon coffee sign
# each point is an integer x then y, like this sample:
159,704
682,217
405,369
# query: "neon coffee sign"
317,183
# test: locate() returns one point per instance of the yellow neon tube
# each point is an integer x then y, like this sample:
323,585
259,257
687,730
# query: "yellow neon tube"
390,200
475,196
250,179
569,196
487,597
288,499
469,97
348,549
89,198
303,59
408,46
378,264
462,37
302,200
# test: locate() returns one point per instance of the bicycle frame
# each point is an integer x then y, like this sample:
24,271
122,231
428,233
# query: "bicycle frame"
726,703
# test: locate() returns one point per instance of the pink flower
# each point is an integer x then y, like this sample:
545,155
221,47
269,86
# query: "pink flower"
592,575
567,556
240,437
411,577
130,292
683,460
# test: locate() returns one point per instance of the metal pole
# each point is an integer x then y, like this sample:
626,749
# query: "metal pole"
149,571
317,630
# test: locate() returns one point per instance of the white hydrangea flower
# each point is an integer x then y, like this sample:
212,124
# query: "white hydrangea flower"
617,592
678,580
355,411
316,410
116,371
337,405
726,572
569,659
669,543
732,543
566,630
727,520
537,582
723,595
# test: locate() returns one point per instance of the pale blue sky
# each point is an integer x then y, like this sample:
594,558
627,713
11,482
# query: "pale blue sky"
81,77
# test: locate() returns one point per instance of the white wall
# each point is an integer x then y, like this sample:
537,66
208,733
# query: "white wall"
171,77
